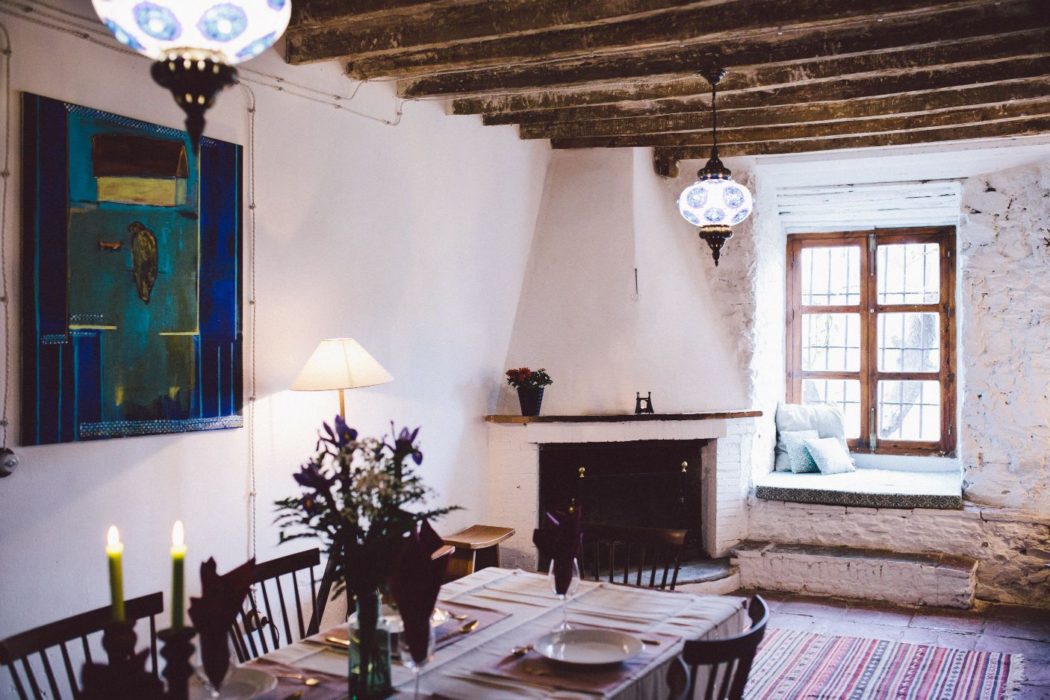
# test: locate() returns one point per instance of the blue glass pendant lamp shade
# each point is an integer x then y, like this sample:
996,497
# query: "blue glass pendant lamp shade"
195,43
715,202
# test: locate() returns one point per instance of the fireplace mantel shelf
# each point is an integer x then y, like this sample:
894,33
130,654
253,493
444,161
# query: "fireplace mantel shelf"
623,418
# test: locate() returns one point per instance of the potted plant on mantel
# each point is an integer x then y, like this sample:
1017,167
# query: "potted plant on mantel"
355,496
530,386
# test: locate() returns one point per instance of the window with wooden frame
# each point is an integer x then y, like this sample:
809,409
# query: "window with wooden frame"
871,328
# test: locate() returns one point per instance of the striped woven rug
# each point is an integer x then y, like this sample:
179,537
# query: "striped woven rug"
793,665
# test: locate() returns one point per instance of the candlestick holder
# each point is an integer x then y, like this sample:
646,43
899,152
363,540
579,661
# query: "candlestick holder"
177,649
125,676
118,639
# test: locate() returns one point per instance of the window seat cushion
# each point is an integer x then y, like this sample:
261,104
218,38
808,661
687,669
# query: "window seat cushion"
869,488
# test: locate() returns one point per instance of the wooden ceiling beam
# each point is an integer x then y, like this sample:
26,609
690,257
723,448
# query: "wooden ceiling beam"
547,104
804,113
529,31
740,140
427,28
309,13
850,87
872,37
666,160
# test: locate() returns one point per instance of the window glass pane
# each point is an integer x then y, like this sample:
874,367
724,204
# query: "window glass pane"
831,276
909,273
909,410
844,393
909,342
831,342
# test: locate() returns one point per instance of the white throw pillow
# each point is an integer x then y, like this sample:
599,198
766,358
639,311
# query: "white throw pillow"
826,419
829,455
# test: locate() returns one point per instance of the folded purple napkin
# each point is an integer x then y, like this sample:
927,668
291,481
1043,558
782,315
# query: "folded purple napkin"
559,539
415,585
215,611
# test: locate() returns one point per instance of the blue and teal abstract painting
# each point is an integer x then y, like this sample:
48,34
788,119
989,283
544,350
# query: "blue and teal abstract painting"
131,286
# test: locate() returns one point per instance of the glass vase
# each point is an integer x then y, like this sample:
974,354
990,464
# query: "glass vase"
369,651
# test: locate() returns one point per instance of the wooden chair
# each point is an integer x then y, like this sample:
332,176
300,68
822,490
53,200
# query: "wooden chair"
277,586
728,660
20,649
626,554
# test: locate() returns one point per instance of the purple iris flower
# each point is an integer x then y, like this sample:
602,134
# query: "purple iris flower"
310,476
405,446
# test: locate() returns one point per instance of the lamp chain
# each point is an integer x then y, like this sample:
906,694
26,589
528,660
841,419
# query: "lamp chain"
252,491
5,176
714,119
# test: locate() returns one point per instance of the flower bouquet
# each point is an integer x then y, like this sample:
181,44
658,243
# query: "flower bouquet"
362,498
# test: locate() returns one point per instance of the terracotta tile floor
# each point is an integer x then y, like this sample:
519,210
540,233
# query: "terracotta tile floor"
997,628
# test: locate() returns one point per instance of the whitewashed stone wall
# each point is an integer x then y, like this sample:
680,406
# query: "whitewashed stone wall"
726,487
904,579
1004,302
1012,550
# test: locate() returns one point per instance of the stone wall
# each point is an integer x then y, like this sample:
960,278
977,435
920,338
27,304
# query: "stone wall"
1011,548
1004,329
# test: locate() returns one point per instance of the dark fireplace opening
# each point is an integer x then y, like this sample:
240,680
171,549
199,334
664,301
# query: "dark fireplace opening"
649,483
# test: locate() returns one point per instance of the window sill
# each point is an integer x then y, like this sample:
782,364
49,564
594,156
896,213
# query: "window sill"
866,488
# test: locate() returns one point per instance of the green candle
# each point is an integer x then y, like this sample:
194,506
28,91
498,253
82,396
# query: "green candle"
115,552
178,559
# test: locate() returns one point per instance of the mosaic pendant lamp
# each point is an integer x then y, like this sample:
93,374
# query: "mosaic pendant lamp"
195,43
715,202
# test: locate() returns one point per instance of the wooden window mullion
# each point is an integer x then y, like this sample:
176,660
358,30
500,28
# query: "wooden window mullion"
868,341
947,344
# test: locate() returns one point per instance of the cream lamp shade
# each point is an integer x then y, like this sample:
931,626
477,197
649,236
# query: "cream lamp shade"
339,364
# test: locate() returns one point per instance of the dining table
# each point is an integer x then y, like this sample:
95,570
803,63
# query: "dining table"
497,615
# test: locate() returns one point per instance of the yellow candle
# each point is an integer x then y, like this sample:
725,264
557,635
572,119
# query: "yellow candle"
115,552
178,559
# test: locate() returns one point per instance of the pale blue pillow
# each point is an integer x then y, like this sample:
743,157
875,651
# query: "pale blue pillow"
798,456
829,455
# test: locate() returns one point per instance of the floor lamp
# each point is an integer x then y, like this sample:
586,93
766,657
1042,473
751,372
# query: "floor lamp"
339,364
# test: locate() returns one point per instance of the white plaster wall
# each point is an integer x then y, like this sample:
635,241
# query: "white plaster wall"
1004,302
412,239
605,213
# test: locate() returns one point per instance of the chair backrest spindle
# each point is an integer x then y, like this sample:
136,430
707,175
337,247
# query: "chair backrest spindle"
273,578
26,655
625,555
728,661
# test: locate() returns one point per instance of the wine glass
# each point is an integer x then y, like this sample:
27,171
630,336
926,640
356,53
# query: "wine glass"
569,589
410,661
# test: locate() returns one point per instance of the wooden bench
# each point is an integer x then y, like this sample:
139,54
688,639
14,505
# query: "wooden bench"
477,547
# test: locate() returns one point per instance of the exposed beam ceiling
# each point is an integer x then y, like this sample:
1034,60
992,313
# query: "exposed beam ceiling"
805,75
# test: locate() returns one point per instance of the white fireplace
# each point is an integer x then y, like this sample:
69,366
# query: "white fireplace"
514,455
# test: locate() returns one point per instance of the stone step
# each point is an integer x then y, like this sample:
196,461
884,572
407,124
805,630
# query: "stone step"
704,570
730,583
905,579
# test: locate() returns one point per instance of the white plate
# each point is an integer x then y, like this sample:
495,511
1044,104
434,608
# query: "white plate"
588,647
242,683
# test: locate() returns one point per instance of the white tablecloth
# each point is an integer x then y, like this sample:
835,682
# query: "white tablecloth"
533,611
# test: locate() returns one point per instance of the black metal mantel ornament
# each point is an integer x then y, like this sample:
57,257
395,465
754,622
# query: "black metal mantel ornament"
643,405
